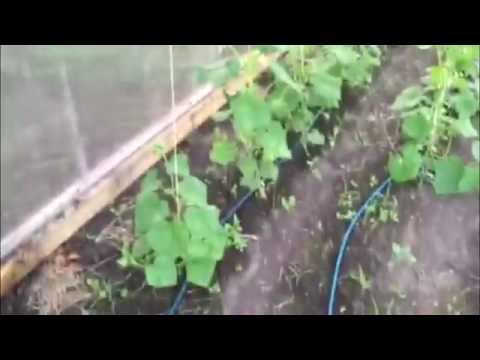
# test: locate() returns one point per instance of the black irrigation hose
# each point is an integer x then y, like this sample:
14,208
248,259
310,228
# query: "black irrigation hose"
230,213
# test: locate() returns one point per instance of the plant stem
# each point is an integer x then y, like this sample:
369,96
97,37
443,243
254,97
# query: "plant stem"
302,61
449,144
164,158
438,104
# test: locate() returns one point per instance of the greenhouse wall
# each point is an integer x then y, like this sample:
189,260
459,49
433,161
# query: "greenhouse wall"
64,109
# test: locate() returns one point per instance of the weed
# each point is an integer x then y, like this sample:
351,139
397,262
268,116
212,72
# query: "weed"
100,289
360,277
382,211
347,204
288,203
402,255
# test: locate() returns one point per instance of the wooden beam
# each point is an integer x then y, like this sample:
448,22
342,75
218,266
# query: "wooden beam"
42,234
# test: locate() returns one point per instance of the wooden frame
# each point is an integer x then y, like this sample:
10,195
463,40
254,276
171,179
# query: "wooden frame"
28,245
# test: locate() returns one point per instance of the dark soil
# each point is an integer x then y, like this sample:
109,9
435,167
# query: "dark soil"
288,269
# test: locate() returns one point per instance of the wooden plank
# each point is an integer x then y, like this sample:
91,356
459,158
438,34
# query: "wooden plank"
51,227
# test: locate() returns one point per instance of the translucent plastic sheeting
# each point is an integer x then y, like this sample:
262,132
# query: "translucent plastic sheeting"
66,108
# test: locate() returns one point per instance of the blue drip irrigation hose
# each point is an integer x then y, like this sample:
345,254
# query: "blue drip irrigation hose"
378,193
178,299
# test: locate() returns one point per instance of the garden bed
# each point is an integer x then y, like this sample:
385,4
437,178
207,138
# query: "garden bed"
288,265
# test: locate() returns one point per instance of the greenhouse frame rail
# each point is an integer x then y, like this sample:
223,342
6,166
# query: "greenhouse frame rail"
38,237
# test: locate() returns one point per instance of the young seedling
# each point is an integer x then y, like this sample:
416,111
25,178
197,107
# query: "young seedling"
382,211
361,279
402,255
288,203
347,204
101,289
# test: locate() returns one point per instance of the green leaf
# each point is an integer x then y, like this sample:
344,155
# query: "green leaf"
181,235
344,53
464,127
197,248
250,112
193,191
464,57
460,84
267,49
223,152
278,107
316,138
408,98
405,166
268,170
326,90
358,73
301,120
202,222
149,209
161,239
448,173
218,242
183,168
476,150
273,140
162,273
417,126
283,101
465,104
250,173
283,76
150,182
470,180
200,272
321,65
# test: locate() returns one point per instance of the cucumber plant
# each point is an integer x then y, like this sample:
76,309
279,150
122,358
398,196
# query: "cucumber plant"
178,231
176,228
308,80
445,106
